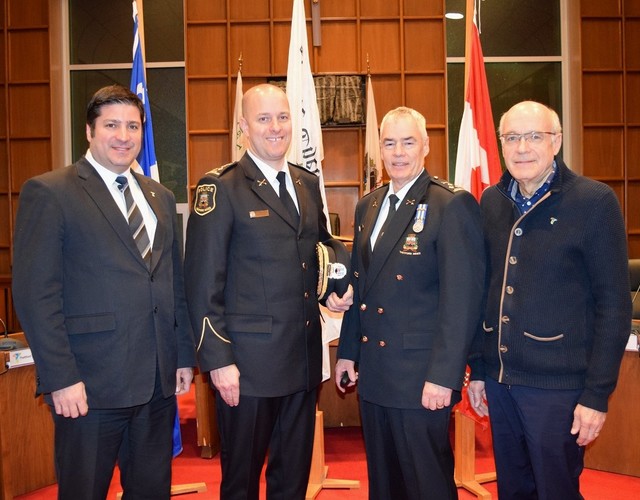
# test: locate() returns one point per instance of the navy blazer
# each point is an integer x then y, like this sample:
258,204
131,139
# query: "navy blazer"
90,308
251,279
417,297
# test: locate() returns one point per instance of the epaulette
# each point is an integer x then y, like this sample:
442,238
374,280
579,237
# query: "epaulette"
447,185
217,172
376,189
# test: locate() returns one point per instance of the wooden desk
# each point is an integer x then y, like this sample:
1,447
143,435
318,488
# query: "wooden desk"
26,434
617,449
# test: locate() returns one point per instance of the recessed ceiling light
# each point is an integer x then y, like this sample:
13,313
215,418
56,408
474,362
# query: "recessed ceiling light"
454,15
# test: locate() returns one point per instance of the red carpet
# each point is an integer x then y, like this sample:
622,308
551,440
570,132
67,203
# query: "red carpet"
344,455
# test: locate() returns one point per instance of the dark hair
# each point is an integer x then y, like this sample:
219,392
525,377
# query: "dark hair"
112,94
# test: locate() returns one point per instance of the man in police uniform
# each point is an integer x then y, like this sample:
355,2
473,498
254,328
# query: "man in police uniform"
251,275
417,284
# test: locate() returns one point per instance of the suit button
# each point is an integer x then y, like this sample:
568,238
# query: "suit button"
363,307
306,295
509,290
382,343
307,323
399,277
356,274
365,338
155,310
503,348
513,259
505,319
304,265
380,310
151,278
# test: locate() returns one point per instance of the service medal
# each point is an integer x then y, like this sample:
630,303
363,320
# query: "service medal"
420,218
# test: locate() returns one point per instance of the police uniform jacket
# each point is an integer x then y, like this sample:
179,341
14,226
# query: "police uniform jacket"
558,310
91,309
251,279
417,302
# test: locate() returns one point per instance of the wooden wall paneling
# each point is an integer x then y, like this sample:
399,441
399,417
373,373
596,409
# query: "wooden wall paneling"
339,51
338,8
388,91
256,57
339,145
32,45
633,205
422,8
342,200
595,54
195,11
280,55
204,150
600,8
603,152
424,44
436,162
211,57
207,105
428,94
632,40
602,100
632,8
29,157
632,102
255,9
381,40
632,148
379,8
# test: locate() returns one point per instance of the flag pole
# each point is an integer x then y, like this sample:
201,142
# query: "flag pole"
469,18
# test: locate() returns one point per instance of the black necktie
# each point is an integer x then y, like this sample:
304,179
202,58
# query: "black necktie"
393,199
285,197
136,222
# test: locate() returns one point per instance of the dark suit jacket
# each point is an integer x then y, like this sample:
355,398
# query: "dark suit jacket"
417,304
251,279
90,308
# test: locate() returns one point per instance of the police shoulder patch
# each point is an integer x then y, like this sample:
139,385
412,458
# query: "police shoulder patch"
205,199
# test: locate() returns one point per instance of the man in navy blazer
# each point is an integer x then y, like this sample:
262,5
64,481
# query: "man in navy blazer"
109,331
417,289
251,273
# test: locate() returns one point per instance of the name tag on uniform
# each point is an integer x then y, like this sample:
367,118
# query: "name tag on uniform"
256,214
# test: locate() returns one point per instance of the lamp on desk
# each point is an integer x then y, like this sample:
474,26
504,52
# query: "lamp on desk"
9,343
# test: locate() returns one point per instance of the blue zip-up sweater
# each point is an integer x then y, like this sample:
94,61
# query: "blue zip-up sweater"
557,305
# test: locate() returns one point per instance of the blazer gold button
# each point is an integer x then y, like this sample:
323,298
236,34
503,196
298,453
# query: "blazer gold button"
509,290
356,274
380,310
503,348
304,265
307,323
363,307
399,277
505,319
365,338
382,343
306,295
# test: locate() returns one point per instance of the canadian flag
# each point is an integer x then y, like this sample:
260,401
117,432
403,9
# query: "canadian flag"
477,161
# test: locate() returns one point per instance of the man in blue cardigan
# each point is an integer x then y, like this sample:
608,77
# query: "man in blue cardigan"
557,310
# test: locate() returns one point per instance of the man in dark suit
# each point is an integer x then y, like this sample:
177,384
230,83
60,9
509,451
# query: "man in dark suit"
104,310
251,274
417,289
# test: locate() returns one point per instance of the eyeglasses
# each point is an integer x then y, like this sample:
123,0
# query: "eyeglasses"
530,137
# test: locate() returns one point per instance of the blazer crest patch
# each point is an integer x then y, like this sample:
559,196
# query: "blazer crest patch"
205,201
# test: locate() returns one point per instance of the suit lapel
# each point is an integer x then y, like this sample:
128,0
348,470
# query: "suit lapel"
99,193
367,224
404,216
261,187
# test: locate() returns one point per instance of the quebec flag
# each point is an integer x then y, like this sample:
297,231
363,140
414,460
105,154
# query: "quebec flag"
147,157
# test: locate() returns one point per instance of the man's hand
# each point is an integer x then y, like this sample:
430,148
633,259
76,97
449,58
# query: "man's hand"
435,397
478,397
340,304
71,401
587,424
345,365
227,381
184,377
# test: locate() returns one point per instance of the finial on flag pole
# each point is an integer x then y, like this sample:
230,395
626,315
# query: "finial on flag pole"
240,63
368,67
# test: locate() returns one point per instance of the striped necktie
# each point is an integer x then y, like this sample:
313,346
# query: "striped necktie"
136,222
